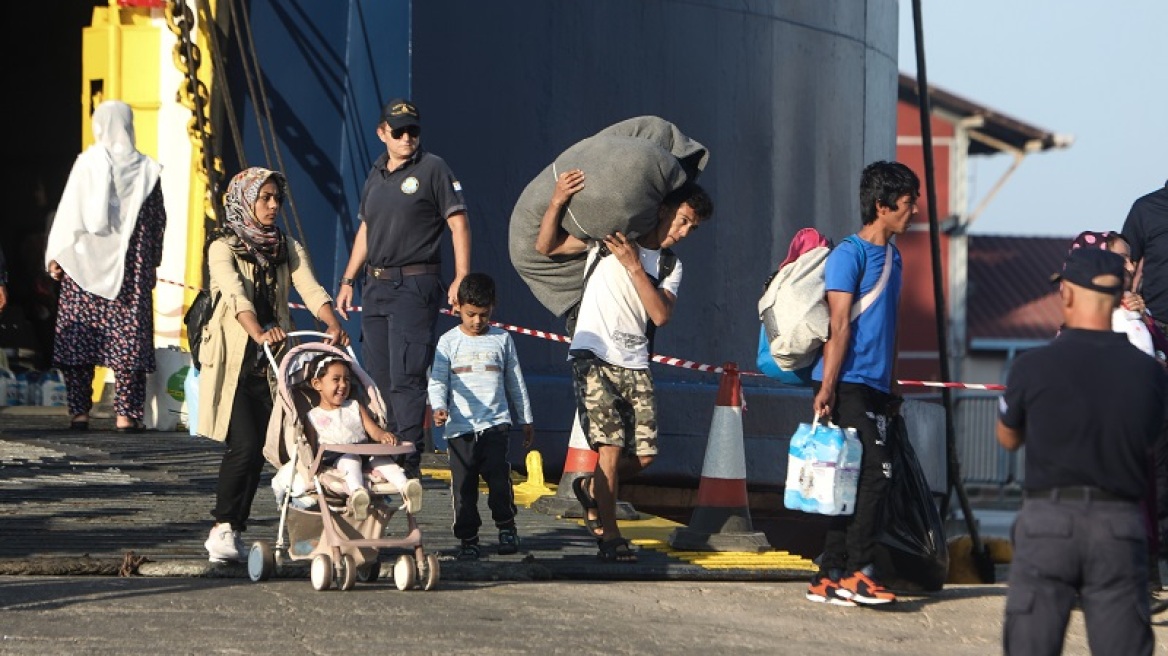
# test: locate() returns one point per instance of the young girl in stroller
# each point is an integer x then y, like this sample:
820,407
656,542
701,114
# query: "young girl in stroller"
339,419
336,471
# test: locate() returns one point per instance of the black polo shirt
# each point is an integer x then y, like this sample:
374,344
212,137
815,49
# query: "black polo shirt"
1146,230
1089,405
405,210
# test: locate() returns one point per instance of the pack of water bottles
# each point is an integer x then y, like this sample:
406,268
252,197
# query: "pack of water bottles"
32,387
823,469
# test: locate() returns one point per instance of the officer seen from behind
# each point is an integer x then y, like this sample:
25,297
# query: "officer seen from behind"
1088,406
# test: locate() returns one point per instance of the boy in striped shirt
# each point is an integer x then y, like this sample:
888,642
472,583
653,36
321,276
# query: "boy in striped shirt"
475,372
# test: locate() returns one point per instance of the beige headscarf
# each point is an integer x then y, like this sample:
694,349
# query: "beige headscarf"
99,207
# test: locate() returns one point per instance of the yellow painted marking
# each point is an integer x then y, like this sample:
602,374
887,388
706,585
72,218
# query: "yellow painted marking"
653,533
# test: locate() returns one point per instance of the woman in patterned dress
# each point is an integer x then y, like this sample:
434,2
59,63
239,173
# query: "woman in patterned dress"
104,246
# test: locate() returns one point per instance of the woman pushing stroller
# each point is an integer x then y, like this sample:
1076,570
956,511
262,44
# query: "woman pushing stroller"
338,419
253,266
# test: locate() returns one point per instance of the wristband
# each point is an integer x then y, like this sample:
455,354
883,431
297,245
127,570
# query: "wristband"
348,281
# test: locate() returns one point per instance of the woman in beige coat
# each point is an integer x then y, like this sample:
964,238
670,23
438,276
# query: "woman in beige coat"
253,266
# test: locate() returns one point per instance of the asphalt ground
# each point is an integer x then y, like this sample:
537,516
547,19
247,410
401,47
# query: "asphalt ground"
103,502
101,552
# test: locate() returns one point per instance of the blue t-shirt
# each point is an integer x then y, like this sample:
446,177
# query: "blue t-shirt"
870,354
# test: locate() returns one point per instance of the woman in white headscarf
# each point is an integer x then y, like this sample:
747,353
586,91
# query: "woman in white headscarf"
104,246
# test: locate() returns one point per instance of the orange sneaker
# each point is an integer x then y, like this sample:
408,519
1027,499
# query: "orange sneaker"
823,590
860,588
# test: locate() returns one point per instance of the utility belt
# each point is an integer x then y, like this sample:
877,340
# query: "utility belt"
1077,493
476,434
397,273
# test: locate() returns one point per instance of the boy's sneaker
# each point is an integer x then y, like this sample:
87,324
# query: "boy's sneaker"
223,544
823,590
412,496
508,541
469,551
860,588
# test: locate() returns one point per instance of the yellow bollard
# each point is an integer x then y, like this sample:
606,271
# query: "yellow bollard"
533,488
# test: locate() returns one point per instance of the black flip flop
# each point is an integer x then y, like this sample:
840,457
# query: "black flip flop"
616,550
79,425
136,427
587,502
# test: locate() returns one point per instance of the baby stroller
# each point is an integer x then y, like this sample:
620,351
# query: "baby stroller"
311,496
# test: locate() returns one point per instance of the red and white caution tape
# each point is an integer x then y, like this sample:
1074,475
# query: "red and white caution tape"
661,359
972,386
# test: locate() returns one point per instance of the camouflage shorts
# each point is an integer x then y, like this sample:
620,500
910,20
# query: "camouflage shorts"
617,406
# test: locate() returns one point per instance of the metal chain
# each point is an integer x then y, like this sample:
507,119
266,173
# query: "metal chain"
193,95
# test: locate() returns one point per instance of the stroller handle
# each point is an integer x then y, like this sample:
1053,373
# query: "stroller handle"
302,333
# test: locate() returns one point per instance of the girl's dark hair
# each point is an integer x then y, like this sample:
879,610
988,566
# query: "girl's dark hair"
319,364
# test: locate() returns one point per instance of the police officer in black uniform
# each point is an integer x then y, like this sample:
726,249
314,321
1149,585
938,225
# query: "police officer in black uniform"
410,199
1088,407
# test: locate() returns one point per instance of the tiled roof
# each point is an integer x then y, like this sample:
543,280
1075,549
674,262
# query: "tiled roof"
1010,296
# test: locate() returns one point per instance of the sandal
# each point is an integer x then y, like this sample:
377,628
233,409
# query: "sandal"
135,427
616,550
588,502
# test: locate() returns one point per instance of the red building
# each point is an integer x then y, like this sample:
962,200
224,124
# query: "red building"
962,129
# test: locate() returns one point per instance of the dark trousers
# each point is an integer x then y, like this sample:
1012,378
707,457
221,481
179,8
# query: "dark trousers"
129,391
1093,552
471,458
851,539
397,339
243,459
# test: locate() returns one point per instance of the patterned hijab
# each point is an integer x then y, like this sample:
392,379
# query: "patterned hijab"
266,243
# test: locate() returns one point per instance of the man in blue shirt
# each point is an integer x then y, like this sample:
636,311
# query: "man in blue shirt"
853,378
410,198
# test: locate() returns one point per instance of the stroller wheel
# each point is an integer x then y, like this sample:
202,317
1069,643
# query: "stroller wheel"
369,572
347,576
429,572
321,572
261,562
405,573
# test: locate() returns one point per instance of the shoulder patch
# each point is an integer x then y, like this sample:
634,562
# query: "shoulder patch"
457,185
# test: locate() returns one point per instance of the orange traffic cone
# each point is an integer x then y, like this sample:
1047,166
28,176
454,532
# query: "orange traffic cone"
721,520
581,460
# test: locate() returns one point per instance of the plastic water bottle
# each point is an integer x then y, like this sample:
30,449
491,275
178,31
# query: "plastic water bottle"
849,473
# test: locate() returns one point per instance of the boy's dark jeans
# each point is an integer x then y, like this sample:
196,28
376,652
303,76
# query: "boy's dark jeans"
851,539
471,458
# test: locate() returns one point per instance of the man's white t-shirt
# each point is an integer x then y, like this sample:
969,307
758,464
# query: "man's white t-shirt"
612,320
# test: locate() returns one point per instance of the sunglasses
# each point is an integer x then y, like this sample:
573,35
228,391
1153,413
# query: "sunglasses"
411,130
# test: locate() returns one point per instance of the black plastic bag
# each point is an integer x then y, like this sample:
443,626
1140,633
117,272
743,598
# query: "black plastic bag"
911,550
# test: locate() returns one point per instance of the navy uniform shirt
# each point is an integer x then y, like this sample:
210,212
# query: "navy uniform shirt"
405,211
1090,405
1146,230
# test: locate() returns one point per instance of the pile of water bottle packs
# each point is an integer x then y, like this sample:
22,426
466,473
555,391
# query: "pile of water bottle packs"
32,387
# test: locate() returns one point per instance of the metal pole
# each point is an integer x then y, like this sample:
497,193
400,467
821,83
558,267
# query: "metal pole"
985,565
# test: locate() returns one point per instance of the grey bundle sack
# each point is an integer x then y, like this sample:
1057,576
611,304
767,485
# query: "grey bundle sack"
630,167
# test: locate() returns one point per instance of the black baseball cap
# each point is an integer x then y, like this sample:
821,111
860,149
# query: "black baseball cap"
1084,265
400,113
